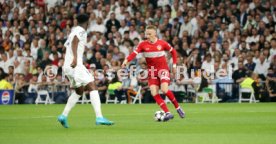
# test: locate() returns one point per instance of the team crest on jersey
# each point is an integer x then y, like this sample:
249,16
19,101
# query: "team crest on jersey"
159,47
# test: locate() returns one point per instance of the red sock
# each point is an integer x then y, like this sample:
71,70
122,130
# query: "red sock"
170,95
161,103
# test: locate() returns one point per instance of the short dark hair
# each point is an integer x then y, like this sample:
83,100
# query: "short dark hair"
3,76
82,18
126,32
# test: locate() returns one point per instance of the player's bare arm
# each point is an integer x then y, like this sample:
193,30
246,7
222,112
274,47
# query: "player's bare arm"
131,56
125,63
75,43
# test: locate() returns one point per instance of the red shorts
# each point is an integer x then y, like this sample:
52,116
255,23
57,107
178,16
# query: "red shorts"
159,78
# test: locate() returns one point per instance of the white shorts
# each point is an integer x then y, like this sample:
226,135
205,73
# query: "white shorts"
78,76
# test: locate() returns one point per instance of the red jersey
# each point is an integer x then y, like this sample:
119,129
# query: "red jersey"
154,53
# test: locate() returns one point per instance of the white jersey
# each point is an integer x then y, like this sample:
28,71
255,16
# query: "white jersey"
79,75
82,36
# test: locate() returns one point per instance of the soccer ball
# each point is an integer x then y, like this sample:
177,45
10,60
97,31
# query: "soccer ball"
159,116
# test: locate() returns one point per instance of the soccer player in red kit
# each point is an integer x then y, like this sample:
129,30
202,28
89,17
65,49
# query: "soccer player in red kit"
158,70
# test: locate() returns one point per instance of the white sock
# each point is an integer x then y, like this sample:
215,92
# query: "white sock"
96,102
73,99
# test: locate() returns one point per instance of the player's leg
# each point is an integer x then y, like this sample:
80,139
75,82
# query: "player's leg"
154,89
94,98
86,79
165,90
170,95
164,76
96,103
73,99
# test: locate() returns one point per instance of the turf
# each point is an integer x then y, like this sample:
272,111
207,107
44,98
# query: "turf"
205,124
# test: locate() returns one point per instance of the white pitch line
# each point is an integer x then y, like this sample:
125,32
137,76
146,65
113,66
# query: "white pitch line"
22,118
192,112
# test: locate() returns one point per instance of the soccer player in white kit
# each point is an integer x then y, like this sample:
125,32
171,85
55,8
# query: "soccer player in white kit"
80,78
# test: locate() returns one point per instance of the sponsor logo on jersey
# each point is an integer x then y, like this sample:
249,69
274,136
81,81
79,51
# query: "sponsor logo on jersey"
82,33
159,47
5,97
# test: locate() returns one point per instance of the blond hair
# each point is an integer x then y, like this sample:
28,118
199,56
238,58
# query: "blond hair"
151,27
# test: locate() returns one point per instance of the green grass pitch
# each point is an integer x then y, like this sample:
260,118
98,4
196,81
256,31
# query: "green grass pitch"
205,124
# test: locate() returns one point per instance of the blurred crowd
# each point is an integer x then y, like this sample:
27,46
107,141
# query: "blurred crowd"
234,35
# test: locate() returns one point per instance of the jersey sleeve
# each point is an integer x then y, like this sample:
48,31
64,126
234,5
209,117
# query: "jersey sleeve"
135,52
169,48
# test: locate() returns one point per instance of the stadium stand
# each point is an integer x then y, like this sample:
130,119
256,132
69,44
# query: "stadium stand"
209,36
